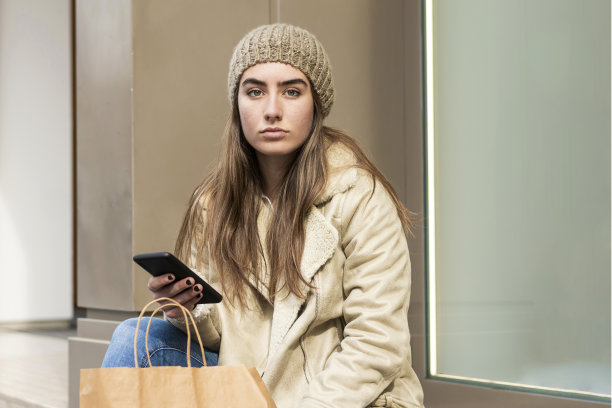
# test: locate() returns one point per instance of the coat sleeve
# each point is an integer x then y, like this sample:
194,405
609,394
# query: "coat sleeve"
206,316
376,288
206,319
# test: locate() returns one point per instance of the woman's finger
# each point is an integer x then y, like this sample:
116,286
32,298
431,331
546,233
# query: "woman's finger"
190,305
188,297
158,282
170,289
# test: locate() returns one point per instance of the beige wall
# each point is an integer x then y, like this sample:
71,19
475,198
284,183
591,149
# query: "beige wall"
180,105
153,102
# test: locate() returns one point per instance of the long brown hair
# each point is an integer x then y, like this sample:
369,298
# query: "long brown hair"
223,210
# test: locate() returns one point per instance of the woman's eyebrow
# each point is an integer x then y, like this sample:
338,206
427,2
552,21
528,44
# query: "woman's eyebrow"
297,81
253,81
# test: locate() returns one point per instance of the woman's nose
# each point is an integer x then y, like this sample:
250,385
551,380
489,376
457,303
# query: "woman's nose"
273,110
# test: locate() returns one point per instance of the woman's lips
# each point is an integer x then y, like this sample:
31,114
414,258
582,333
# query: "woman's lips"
273,133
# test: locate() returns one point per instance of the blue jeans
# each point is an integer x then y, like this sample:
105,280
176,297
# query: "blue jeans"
167,346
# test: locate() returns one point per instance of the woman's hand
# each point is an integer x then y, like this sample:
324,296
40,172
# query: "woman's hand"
183,291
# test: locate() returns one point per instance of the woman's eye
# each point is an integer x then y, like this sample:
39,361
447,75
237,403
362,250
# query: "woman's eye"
254,92
292,93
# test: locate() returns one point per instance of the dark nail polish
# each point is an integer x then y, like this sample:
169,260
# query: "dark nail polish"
196,288
170,277
188,282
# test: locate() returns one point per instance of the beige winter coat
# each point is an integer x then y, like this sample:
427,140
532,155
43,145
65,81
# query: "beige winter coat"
348,343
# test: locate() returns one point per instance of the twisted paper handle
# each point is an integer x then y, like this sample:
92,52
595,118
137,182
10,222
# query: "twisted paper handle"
188,318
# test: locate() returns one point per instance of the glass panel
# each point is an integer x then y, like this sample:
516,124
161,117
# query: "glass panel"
518,96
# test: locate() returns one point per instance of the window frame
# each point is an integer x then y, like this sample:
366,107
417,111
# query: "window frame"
444,391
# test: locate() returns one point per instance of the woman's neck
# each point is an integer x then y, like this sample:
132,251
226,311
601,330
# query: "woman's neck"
273,170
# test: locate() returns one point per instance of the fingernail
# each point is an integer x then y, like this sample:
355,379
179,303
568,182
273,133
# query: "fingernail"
170,277
196,288
199,295
188,282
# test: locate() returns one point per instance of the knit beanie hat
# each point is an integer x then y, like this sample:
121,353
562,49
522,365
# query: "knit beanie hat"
287,44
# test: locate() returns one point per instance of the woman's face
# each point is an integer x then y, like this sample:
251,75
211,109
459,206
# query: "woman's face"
276,109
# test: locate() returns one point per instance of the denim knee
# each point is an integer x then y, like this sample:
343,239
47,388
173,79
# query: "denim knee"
120,351
167,346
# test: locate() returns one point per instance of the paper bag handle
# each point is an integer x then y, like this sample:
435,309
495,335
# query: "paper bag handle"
188,319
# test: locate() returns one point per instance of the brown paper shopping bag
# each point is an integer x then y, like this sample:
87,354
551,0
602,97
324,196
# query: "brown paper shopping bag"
221,386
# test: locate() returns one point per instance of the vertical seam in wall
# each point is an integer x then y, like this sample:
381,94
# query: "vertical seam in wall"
270,10
75,299
132,13
273,11
405,103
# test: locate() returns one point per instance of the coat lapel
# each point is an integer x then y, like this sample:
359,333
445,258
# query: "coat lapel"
321,240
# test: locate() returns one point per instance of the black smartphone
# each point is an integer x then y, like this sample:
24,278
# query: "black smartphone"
159,263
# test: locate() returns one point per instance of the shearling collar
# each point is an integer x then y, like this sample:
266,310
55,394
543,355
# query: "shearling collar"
320,236
341,175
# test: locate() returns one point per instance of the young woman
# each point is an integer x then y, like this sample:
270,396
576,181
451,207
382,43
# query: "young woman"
303,236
